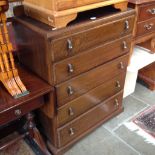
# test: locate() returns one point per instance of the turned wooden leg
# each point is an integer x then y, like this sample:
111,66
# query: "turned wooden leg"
35,134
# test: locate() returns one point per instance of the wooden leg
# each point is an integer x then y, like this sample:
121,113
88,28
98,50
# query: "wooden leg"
122,6
35,134
62,21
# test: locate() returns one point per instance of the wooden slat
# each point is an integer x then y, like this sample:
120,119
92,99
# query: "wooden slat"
2,3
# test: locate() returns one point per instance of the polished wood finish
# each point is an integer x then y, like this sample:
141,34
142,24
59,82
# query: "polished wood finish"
59,13
44,38
83,103
86,63
146,12
68,4
144,34
140,1
85,82
71,67
85,40
85,121
146,27
13,109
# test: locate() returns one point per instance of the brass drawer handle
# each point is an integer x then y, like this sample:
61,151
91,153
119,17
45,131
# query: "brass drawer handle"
148,26
127,25
125,45
118,85
70,68
70,90
151,11
121,65
71,132
116,104
70,111
18,112
69,44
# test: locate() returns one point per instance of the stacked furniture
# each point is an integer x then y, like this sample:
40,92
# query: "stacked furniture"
144,35
59,13
86,65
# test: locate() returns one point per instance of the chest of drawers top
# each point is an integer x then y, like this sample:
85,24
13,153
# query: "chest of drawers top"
83,35
92,42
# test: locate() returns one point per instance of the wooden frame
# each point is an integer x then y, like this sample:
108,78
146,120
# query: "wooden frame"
52,15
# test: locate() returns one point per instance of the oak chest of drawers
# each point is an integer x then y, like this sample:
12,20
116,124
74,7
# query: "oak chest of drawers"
144,35
86,64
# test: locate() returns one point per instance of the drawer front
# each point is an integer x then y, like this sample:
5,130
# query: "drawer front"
17,112
146,27
68,46
69,4
71,67
80,105
77,86
146,12
86,121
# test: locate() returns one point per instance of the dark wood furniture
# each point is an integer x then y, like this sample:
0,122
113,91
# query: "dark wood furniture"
144,35
13,109
85,63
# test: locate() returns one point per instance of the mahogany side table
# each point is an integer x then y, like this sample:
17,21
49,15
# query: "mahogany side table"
13,109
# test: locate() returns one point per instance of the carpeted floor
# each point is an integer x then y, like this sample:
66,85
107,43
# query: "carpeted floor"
146,120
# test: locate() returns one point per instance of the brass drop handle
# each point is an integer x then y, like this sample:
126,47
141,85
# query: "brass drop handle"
69,44
151,11
148,26
70,90
125,45
116,103
71,132
127,25
71,112
118,85
18,112
121,65
70,68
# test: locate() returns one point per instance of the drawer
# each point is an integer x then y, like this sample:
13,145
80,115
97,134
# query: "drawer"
69,4
71,67
83,103
80,42
86,121
146,27
146,12
20,110
81,84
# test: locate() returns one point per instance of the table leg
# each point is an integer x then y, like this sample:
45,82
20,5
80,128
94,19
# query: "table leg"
35,134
